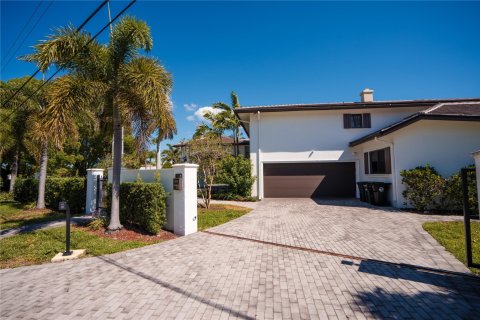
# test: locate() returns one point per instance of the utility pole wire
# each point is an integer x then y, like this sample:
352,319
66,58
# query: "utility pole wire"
38,70
30,32
23,29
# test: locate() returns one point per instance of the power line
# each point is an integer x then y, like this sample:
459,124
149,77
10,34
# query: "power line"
38,70
28,34
84,46
24,28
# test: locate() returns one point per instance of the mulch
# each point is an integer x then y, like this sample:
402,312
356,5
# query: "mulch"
130,234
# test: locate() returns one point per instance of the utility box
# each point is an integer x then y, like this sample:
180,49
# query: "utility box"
177,182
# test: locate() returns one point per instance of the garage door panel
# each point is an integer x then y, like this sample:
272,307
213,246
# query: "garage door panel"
292,186
309,180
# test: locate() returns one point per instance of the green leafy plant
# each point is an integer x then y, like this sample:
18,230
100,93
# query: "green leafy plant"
143,205
423,187
453,196
57,189
98,223
237,173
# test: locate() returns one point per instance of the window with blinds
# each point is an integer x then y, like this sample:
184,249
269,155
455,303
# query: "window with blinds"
357,120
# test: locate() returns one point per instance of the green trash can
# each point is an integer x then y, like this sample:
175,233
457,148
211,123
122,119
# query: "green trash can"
380,193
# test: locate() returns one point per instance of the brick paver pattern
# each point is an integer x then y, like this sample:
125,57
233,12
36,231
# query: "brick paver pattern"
205,276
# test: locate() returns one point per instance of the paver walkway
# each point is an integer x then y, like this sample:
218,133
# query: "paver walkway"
205,276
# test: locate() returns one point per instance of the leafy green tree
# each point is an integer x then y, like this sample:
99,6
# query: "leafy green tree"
237,173
114,80
26,127
207,152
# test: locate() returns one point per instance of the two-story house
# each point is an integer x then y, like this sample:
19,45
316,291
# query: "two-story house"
322,150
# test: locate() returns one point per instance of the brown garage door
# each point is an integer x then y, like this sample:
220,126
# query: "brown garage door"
309,180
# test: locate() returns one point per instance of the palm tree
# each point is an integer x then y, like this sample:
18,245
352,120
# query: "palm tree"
27,106
113,80
225,119
166,130
171,155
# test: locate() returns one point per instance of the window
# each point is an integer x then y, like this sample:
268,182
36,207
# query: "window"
378,162
356,120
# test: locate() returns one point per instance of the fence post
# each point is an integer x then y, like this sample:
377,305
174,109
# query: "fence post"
466,217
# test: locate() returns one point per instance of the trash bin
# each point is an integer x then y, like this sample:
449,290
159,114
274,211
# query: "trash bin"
379,193
361,190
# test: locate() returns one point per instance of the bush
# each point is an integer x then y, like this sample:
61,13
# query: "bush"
453,195
6,197
71,190
423,187
142,205
237,173
25,190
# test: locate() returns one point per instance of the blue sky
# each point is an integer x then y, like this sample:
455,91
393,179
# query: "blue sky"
283,52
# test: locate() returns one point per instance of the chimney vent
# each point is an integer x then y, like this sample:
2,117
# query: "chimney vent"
367,95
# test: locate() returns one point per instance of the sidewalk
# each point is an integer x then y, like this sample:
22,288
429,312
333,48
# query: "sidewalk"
44,225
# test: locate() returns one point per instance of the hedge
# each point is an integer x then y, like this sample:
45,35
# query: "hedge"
425,189
142,205
56,190
237,173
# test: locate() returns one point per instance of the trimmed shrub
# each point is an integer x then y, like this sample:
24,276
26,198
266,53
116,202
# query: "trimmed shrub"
25,190
237,173
142,205
423,187
56,190
453,196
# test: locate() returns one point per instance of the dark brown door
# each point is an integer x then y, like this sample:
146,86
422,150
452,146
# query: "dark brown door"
309,180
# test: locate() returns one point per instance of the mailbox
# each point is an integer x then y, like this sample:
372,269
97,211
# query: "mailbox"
177,182
62,206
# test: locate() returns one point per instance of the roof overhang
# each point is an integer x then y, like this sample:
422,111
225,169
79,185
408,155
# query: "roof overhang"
408,121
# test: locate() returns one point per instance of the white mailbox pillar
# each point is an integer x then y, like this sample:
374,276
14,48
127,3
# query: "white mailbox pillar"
476,156
91,198
185,198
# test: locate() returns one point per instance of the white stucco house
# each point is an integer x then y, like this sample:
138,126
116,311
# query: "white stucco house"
323,150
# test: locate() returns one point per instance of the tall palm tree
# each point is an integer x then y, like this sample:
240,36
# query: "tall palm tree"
225,119
113,80
171,155
27,106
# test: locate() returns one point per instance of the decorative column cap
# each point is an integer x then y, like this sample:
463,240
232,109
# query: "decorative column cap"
185,165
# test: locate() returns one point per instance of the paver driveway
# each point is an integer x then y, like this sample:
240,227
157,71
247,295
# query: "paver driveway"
207,276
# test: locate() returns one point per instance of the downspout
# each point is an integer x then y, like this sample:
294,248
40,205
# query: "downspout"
394,172
259,193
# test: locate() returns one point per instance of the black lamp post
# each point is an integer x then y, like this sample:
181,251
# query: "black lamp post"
63,206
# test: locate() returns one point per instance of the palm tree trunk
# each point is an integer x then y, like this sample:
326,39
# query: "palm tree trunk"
237,147
42,179
159,155
117,169
14,168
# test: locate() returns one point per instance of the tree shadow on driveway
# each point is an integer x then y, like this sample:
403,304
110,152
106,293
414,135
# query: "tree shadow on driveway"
176,289
456,296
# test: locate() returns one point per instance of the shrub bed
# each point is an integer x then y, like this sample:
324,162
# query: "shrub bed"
56,190
425,189
142,205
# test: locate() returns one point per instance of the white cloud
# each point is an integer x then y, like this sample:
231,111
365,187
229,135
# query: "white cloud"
200,113
191,118
190,106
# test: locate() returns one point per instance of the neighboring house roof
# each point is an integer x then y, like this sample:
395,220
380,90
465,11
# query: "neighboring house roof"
350,105
459,111
225,140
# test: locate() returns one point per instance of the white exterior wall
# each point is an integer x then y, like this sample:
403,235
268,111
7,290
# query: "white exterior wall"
476,156
310,136
445,145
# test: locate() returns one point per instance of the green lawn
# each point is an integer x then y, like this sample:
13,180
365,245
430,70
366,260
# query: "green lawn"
15,214
451,236
219,214
41,246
